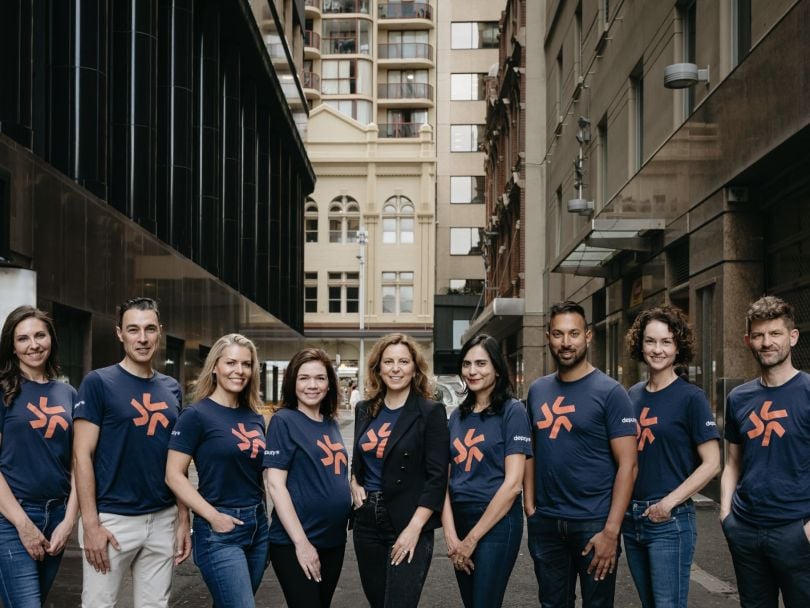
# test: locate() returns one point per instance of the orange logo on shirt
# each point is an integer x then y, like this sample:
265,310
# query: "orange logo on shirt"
47,415
377,440
644,433
767,428
333,454
470,439
147,408
248,440
555,423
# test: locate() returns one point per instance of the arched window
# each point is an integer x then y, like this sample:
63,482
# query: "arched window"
398,221
311,220
344,220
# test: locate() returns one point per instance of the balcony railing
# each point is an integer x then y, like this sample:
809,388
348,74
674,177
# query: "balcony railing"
391,130
315,3
405,10
312,39
311,80
347,6
407,90
406,50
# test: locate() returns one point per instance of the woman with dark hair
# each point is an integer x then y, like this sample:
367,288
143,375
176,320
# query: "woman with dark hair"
223,432
399,474
308,481
678,454
490,439
38,505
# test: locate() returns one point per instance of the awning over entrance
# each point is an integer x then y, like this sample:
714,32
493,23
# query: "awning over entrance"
499,318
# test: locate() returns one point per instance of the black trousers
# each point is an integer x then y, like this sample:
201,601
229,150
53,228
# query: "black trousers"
300,592
387,586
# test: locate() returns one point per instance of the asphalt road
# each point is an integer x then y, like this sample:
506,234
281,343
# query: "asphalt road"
712,583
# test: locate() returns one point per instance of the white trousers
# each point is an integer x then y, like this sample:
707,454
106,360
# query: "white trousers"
147,552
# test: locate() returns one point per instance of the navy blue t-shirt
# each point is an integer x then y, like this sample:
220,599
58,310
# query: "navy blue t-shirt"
573,423
317,467
37,431
371,446
227,446
135,417
479,447
772,425
672,423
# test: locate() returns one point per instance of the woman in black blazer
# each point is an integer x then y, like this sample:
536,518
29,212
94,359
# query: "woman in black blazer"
399,474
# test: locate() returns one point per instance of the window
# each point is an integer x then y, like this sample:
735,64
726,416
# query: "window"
467,87
341,36
357,109
741,14
688,14
398,221
406,45
466,286
403,123
578,40
344,220
346,77
310,292
603,161
397,292
559,205
459,327
467,189
346,6
466,138
406,84
344,292
311,221
474,35
637,114
464,241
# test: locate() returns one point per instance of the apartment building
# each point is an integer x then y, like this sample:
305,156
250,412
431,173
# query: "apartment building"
468,43
370,78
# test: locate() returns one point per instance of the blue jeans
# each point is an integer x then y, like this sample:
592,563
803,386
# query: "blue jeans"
494,557
556,547
660,554
385,585
769,560
232,563
25,582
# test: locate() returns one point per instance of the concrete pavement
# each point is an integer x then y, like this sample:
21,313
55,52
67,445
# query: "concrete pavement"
712,586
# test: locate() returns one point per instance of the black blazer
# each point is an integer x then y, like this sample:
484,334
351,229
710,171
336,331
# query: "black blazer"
417,455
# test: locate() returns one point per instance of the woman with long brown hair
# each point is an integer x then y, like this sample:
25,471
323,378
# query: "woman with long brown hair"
38,506
399,474
223,432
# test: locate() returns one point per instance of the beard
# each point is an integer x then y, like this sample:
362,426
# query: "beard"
579,357
781,357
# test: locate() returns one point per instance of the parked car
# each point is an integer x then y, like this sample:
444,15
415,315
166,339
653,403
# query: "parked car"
450,391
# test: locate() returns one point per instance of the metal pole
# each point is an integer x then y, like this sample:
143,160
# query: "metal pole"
362,239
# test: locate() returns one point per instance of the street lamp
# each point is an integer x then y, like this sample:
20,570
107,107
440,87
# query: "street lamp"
362,239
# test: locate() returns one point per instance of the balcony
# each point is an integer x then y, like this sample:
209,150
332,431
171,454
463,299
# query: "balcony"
311,82
312,8
406,55
405,15
410,94
392,130
312,44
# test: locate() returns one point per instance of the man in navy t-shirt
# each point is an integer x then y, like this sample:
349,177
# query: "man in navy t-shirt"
578,485
123,420
765,487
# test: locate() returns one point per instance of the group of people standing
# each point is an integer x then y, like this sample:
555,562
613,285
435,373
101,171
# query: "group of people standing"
593,463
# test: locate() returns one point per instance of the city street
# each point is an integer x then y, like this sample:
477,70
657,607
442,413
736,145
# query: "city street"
712,575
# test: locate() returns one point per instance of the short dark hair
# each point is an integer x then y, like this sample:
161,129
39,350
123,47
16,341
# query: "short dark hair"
329,405
502,391
566,307
138,303
675,320
768,308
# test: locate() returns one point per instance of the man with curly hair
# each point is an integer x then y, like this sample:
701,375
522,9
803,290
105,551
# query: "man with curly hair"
765,487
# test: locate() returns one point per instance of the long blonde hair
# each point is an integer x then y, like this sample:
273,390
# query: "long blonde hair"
206,384
375,387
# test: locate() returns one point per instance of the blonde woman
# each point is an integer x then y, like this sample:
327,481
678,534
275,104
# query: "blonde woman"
224,433
399,474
